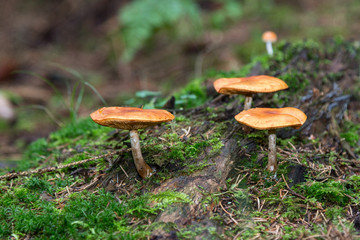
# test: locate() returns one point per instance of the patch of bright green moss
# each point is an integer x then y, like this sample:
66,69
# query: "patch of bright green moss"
179,150
351,133
192,95
26,212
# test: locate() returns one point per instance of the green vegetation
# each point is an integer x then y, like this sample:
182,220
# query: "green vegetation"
34,210
192,95
36,205
103,199
85,133
351,134
286,209
182,15
74,97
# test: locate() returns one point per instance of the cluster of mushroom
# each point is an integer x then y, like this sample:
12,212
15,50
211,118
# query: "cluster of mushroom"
132,119
262,118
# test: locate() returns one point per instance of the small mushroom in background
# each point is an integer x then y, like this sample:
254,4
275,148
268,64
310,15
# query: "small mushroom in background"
272,119
131,118
247,86
269,38
6,109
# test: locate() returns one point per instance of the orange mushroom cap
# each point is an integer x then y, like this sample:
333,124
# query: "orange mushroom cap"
272,118
249,85
269,36
130,118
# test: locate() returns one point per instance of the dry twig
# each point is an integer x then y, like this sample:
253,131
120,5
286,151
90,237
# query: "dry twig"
56,168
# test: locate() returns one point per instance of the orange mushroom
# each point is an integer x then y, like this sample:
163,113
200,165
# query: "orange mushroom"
131,118
269,38
272,119
248,86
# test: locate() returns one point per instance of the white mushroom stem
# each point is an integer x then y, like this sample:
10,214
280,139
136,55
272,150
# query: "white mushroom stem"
141,166
272,151
269,48
248,101
247,106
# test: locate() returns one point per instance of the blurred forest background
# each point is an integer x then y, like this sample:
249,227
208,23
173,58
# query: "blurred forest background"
60,60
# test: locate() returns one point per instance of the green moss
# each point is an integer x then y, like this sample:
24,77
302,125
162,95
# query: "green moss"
286,142
191,232
37,149
85,128
84,214
192,95
196,167
216,144
351,133
258,136
181,118
296,81
332,192
291,210
83,132
335,212
180,151
294,233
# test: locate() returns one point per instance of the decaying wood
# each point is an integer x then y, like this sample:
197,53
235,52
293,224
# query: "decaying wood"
208,180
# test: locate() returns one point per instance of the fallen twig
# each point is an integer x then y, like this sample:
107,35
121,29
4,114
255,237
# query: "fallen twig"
56,168
230,215
317,204
292,191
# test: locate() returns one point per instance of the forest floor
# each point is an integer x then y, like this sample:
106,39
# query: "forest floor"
210,180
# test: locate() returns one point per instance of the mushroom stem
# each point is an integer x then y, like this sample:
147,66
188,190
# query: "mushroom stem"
248,101
272,151
247,106
141,166
269,48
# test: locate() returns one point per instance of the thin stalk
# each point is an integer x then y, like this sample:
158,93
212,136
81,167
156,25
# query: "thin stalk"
247,106
48,82
141,166
248,101
79,77
47,111
269,48
272,164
